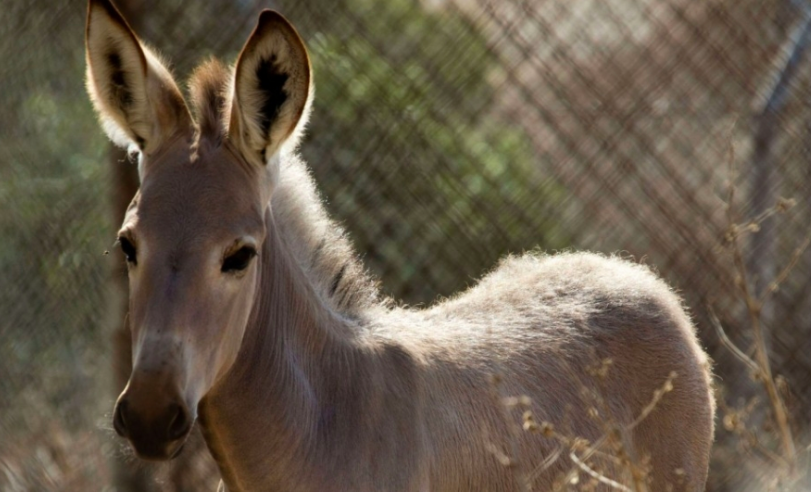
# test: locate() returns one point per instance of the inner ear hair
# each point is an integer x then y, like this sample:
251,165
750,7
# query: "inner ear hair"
133,93
271,88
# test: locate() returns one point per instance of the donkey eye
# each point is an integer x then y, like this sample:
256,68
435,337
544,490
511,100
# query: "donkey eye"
128,249
238,261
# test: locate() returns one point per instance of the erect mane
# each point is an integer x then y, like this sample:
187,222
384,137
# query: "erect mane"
320,246
210,99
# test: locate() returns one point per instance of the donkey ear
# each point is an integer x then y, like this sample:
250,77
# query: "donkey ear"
271,90
133,93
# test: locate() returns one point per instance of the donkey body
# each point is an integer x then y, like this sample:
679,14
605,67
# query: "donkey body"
251,314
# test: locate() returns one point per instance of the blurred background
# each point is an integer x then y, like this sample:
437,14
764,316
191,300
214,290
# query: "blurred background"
445,134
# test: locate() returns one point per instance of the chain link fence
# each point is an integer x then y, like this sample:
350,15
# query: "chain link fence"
445,134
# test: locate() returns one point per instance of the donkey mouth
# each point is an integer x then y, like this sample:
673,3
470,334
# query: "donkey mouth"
158,452
153,447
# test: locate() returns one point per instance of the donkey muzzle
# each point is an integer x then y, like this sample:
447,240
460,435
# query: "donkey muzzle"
156,429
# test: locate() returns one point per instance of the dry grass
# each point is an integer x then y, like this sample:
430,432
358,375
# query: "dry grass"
764,434
588,459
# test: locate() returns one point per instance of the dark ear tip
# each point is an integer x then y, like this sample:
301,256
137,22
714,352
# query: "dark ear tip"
269,17
108,8
107,5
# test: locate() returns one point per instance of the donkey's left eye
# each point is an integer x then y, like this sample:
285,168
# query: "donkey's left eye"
129,250
238,261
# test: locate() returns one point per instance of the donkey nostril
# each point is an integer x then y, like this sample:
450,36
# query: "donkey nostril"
180,424
119,420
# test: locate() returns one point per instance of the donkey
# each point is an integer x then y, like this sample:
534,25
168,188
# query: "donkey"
251,315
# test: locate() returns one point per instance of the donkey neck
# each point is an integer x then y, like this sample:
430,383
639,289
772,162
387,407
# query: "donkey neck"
264,421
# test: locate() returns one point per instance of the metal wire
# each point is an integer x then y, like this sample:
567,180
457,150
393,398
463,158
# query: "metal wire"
446,134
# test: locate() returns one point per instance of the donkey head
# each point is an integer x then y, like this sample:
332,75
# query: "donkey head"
192,233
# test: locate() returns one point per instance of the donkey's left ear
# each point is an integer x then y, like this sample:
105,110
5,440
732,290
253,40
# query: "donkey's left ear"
272,90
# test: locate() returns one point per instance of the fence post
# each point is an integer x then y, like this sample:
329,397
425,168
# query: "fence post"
764,184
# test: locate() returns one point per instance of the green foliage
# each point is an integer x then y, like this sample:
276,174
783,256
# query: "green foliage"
53,224
403,142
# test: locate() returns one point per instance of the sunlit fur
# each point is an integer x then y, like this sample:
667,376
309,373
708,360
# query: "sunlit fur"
270,42
154,108
304,378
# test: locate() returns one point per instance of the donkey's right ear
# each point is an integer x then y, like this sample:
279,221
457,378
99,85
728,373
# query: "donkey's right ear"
134,94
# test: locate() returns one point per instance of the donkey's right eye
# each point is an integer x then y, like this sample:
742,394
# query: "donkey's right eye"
128,249
239,260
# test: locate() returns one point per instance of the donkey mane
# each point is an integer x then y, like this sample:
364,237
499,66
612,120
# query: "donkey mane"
320,246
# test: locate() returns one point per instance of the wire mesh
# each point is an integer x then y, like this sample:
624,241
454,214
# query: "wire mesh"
445,134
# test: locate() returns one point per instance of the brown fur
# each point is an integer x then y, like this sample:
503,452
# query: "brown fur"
304,380
208,88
